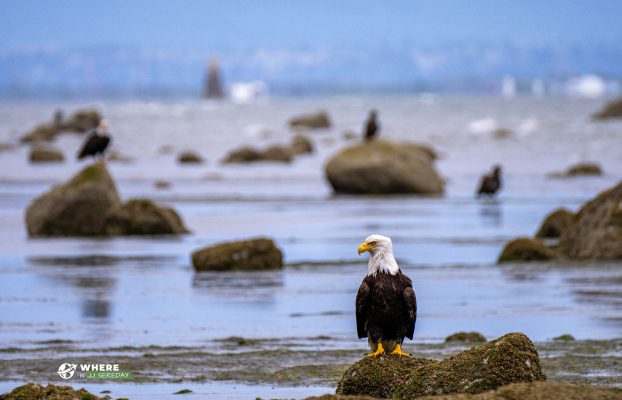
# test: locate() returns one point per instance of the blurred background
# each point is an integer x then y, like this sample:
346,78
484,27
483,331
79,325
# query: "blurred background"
184,85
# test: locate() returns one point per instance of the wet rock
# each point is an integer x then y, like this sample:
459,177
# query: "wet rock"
248,154
189,157
383,167
162,184
33,391
613,109
509,359
81,121
465,337
301,145
319,120
512,358
539,391
581,169
350,135
75,208
502,133
564,338
143,217
45,155
379,376
340,397
555,223
596,231
253,254
526,249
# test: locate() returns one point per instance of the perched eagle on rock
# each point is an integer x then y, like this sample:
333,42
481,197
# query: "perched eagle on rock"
386,306
96,142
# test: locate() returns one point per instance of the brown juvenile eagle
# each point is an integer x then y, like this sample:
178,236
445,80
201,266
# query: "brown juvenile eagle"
386,306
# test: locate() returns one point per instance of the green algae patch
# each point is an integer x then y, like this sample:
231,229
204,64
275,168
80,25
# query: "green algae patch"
508,359
465,337
379,376
565,337
32,391
183,391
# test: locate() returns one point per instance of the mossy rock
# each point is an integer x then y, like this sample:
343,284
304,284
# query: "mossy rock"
509,359
189,157
465,337
581,169
340,397
247,154
526,249
301,145
75,208
383,167
597,229
555,223
143,217
33,391
45,155
253,254
318,120
379,376
566,337
81,121
613,109
539,391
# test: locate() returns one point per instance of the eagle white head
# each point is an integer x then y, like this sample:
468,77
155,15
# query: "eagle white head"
380,249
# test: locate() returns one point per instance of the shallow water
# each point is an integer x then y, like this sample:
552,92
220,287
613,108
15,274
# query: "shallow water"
101,293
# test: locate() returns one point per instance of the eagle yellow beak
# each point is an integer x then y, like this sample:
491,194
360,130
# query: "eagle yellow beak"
364,247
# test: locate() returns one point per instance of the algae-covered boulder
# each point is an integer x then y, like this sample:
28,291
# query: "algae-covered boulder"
580,169
596,231
247,154
81,121
509,359
301,145
379,376
465,337
143,217
45,155
613,109
383,167
189,157
539,391
33,391
526,249
252,254
318,120
555,223
76,208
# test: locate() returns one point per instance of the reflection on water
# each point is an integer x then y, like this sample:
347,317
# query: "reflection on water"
243,285
491,212
96,308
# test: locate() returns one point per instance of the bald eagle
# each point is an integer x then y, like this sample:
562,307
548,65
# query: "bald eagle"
386,306
371,126
491,183
96,143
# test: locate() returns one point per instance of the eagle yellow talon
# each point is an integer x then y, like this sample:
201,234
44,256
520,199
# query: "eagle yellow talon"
398,351
378,351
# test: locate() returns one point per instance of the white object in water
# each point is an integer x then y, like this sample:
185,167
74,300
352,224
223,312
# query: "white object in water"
528,126
246,92
483,126
508,87
590,86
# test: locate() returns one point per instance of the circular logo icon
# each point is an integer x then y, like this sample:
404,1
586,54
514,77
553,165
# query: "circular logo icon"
67,370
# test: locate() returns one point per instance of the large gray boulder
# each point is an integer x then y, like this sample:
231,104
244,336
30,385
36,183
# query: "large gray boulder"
509,359
76,208
318,120
383,167
596,230
143,217
253,254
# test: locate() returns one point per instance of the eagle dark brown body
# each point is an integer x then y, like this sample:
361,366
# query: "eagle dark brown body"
386,309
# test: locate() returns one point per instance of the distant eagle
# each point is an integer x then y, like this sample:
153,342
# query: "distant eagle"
371,126
96,142
386,306
491,183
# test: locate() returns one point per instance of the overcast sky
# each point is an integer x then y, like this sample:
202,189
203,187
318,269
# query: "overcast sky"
293,23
